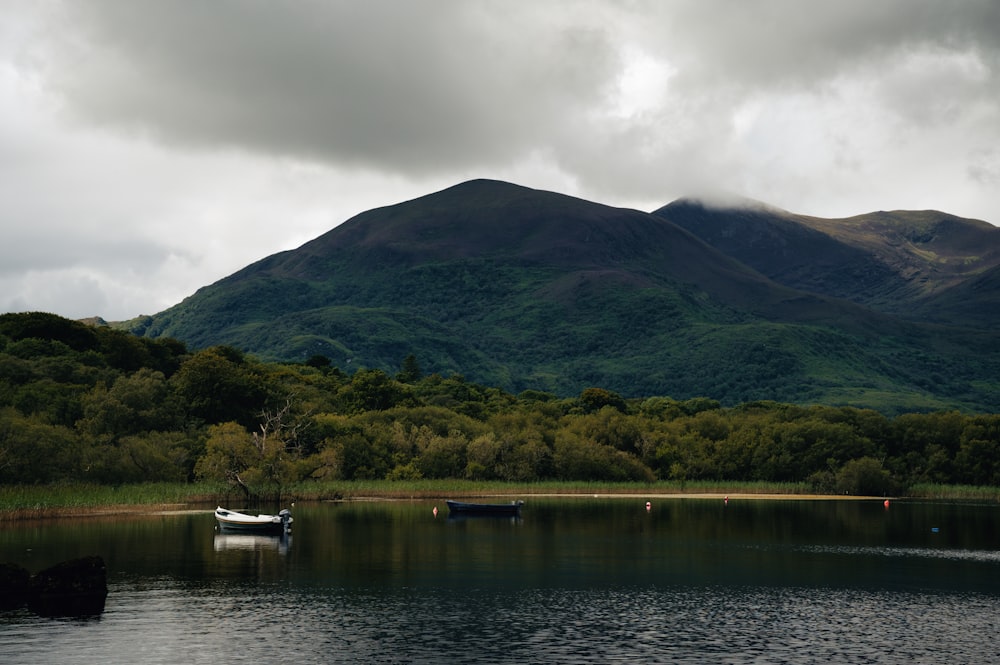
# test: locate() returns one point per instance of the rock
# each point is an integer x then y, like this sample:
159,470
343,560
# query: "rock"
72,588
14,586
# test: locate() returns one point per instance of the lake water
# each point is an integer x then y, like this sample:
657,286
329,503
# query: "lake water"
581,580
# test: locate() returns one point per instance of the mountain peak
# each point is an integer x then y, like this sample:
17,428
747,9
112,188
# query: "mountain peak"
528,288
724,202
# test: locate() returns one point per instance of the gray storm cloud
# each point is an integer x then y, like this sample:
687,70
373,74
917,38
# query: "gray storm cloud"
395,85
182,130
414,88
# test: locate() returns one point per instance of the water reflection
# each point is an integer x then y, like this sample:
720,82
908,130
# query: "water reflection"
464,517
231,541
572,581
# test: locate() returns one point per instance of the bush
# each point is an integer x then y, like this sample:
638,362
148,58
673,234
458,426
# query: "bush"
864,477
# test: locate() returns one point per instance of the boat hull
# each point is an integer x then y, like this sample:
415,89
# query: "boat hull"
512,509
233,521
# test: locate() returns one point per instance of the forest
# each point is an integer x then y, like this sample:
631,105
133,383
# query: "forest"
82,403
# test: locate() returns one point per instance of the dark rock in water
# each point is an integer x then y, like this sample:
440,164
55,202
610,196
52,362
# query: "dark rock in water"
15,584
72,588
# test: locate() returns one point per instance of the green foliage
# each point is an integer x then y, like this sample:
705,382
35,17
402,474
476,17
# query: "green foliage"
410,371
551,319
864,476
373,390
33,451
134,403
220,385
319,360
70,415
261,463
51,328
595,399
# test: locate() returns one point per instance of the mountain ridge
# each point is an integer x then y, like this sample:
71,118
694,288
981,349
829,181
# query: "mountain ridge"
891,261
525,288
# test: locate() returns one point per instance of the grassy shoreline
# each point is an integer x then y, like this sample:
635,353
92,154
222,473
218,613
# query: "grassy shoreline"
40,501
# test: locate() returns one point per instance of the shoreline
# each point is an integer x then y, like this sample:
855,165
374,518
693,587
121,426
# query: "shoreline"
175,508
86,500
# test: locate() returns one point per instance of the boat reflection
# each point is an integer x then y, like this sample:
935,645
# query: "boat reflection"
483,517
255,542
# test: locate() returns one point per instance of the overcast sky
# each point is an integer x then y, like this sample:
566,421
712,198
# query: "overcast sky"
148,148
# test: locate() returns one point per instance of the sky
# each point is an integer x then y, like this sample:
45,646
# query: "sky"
149,148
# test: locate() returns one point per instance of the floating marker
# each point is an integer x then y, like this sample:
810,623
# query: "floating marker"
886,503
435,511
649,506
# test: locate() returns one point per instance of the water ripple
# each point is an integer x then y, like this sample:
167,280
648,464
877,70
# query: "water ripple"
409,625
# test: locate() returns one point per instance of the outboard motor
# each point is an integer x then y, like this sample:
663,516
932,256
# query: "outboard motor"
286,520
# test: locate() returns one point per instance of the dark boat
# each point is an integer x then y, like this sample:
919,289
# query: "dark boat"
512,509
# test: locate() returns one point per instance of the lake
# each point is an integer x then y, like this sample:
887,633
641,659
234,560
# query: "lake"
575,580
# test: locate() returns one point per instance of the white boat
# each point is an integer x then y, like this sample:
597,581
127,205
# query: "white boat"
231,520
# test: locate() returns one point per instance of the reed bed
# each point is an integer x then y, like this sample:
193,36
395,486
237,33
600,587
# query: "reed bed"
437,489
955,492
35,501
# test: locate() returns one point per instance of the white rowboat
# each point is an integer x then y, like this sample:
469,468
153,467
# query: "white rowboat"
231,520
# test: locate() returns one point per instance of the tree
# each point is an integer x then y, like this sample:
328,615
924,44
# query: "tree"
319,361
41,325
142,402
32,451
410,372
229,452
595,399
152,457
977,461
444,456
258,462
582,459
374,390
864,477
219,385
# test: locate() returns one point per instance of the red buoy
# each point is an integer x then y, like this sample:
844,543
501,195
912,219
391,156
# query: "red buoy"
649,506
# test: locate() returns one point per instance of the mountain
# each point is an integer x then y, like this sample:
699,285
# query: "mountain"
919,265
528,289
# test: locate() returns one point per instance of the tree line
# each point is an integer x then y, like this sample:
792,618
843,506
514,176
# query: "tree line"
80,403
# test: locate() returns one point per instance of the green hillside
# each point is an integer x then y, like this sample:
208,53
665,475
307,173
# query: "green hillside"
921,265
525,289
86,409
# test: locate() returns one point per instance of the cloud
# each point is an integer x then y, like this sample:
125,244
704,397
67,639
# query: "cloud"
409,87
149,147
417,89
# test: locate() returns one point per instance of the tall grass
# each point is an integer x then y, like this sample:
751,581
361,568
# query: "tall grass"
21,501
955,492
437,489
27,501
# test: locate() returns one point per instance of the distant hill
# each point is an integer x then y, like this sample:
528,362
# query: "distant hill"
528,289
909,263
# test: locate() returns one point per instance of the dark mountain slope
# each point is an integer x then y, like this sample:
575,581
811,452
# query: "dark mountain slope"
523,227
521,288
486,220
895,262
779,245
974,302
